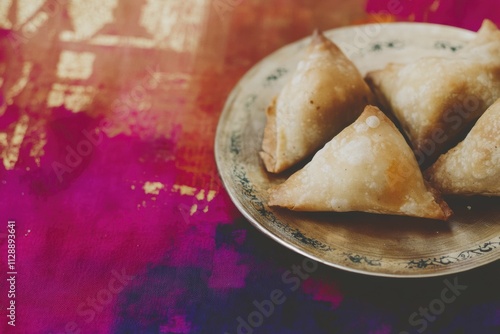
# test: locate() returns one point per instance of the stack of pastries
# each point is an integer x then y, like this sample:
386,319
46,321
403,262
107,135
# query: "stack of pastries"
362,162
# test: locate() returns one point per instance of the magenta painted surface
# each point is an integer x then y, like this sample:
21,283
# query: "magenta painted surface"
139,236
459,13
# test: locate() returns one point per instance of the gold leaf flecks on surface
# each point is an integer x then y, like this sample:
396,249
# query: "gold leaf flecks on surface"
4,14
184,190
10,152
90,16
17,87
152,188
74,97
26,9
75,65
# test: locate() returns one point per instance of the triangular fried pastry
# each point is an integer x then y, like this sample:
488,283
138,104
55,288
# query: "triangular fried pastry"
367,167
325,94
473,166
435,98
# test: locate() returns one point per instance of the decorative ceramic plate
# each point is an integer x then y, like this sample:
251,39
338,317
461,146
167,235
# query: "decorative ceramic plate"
364,243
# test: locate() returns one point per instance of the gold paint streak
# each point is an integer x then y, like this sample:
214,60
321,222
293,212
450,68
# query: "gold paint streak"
123,41
201,195
4,13
67,36
111,40
176,25
74,97
21,83
152,187
10,154
75,65
33,25
77,101
193,210
184,190
211,195
3,140
56,95
90,16
18,87
26,9
37,150
205,210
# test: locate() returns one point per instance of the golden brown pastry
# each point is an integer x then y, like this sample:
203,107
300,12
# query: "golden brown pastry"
435,98
325,94
473,166
367,167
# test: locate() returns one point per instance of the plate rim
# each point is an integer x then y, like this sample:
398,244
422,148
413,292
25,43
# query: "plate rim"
267,232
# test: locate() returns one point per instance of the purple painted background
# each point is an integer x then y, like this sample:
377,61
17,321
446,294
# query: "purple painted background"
107,121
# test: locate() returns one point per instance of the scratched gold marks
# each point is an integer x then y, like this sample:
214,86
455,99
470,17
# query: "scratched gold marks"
26,9
90,16
152,188
201,198
10,148
75,65
17,87
4,14
73,97
175,24
92,26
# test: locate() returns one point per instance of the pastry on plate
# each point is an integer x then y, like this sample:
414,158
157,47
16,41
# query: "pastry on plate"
325,94
367,167
436,98
473,166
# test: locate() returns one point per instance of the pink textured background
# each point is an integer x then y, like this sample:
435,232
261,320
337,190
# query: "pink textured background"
140,236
